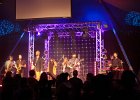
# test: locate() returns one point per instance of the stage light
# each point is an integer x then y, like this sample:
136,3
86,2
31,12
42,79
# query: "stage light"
38,33
133,18
6,27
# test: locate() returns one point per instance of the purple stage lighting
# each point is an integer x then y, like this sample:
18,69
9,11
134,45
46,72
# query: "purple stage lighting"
38,33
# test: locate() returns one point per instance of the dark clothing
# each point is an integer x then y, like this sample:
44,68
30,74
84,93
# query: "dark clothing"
21,67
7,88
116,62
63,91
45,92
77,85
38,63
33,84
20,62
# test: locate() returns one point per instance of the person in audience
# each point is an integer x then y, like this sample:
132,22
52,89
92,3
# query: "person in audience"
45,92
33,83
7,87
77,86
63,87
88,86
129,88
99,87
102,87
24,92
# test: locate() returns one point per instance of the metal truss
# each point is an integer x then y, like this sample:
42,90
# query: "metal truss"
47,51
67,27
102,54
30,49
93,28
98,50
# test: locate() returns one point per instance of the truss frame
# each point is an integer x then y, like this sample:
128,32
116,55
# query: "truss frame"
94,31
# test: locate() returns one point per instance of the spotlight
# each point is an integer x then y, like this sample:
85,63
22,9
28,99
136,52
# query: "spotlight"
38,33
6,27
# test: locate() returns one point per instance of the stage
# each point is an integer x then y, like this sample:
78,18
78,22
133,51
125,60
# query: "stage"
84,39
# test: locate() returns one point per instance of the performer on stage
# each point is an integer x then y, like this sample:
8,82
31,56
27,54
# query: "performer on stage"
109,61
38,64
116,66
115,61
65,67
21,66
10,65
52,66
74,63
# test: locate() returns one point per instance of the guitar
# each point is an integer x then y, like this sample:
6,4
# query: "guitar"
19,67
76,64
11,65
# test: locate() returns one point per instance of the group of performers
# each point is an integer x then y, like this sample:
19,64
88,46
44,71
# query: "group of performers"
19,66
114,63
16,67
67,65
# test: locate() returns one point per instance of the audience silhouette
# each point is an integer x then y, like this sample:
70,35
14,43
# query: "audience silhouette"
101,86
